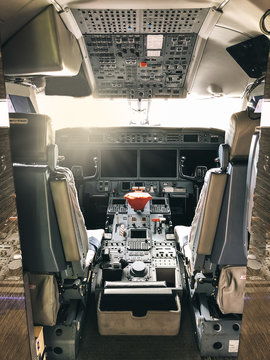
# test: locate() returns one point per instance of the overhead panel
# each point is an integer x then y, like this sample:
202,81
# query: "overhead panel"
140,54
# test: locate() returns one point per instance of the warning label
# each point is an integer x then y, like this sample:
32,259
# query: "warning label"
154,41
153,53
233,346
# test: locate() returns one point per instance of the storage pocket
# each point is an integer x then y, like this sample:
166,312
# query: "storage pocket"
231,289
154,322
44,298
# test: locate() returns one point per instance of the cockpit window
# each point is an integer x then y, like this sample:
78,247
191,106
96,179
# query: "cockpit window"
189,112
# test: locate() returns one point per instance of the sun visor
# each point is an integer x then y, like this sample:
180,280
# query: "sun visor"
76,86
44,46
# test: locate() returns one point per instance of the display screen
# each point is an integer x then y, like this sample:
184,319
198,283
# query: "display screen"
138,234
118,163
158,163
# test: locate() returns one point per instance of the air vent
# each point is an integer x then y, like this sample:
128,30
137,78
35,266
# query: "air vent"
173,138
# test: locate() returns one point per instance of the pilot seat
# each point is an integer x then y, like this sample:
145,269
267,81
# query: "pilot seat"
215,246
57,250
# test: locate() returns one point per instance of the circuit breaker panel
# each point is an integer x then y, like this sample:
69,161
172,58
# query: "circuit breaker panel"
140,54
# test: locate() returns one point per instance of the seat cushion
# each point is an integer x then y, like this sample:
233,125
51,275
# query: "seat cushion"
69,215
204,224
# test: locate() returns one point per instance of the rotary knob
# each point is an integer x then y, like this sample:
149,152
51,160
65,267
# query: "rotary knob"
138,268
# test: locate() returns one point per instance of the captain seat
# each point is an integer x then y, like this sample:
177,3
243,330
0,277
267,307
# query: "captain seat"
56,247
215,246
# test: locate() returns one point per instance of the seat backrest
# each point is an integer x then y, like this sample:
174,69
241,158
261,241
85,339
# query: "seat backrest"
30,136
217,235
239,134
51,225
230,244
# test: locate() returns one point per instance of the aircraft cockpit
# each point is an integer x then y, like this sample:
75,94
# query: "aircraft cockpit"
132,229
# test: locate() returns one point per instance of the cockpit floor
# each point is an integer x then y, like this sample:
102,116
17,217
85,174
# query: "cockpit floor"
96,347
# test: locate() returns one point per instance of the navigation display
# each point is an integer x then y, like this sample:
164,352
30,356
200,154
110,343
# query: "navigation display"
118,163
158,163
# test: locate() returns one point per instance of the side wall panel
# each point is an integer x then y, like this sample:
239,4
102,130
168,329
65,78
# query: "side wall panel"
254,341
14,329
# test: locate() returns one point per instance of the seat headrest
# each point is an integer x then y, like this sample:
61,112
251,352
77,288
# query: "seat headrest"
239,134
223,154
30,135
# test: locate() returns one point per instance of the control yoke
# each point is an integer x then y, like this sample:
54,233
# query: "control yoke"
199,175
95,159
78,171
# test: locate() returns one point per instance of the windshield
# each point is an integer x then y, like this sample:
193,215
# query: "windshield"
91,112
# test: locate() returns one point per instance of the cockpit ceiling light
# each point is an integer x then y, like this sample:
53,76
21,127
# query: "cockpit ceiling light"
215,90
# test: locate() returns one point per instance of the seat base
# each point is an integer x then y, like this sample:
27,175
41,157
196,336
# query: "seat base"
216,336
63,338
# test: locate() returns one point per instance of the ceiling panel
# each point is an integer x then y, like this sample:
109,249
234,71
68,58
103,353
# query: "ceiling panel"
15,13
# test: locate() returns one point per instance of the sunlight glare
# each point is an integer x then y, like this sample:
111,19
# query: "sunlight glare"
91,112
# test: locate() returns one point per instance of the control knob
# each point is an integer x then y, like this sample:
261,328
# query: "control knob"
138,268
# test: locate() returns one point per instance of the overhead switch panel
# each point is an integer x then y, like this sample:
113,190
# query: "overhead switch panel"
140,54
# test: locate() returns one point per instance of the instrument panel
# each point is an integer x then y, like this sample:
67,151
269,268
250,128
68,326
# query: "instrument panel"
135,157
139,135
137,153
